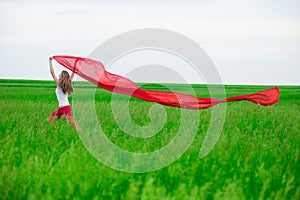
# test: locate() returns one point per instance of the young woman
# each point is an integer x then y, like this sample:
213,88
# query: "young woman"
63,89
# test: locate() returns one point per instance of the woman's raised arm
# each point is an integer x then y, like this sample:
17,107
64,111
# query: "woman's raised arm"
72,76
52,70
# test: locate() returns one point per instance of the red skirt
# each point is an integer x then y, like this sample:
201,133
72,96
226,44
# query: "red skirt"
65,110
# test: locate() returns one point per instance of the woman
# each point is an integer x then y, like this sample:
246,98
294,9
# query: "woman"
63,89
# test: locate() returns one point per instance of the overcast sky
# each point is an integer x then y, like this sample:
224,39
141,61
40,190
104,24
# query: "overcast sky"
250,42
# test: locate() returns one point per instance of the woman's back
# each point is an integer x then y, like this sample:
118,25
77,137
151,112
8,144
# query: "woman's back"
61,97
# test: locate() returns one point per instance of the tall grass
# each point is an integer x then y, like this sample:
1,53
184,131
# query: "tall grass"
256,157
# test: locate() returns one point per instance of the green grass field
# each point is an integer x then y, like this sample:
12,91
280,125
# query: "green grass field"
256,157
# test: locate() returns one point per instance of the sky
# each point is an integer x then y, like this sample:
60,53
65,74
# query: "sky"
249,42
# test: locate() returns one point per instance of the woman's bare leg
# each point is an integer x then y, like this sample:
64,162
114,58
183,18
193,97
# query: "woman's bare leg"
51,119
72,121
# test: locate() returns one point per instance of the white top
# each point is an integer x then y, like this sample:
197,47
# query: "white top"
61,97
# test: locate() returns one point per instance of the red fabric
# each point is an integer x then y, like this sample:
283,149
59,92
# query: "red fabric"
65,110
94,72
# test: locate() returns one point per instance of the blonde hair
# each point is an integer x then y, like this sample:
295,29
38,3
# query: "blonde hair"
65,82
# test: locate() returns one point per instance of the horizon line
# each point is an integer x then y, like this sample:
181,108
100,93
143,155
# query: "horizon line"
223,83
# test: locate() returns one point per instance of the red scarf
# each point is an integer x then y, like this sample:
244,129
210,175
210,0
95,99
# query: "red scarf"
94,72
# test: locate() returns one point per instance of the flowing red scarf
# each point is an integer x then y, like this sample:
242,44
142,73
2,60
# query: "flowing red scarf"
94,72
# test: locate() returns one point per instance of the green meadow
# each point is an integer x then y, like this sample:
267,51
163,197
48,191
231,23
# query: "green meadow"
256,156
